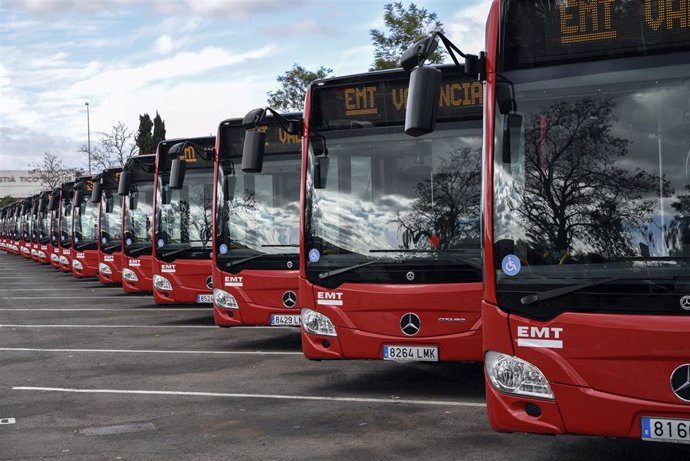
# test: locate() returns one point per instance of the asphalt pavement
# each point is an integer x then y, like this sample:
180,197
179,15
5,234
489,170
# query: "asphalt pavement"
88,372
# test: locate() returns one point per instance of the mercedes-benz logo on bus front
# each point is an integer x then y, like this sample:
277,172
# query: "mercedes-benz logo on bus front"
680,382
289,299
209,282
410,324
685,302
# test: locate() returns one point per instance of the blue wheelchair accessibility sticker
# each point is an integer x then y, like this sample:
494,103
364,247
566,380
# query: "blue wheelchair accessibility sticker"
511,265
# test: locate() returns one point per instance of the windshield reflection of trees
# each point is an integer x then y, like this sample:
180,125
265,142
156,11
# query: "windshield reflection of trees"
581,197
187,219
445,212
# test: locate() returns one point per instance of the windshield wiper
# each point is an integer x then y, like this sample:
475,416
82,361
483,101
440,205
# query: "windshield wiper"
325,275
181,250
467,262
237,262
557,292
112,247
139,250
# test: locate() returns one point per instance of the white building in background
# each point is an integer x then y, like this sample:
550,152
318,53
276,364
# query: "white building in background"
18,183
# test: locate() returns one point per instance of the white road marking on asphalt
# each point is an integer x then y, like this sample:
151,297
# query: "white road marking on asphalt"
7,421
251,396
147,351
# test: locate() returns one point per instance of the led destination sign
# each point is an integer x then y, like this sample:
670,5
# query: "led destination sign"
383,103
277,139
539,32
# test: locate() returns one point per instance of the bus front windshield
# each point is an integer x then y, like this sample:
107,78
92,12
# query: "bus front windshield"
259,213
66,224
594,180
387,198
86,222
138,216
183,219
111,218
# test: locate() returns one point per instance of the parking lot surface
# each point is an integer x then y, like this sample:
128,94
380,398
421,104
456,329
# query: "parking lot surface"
88,372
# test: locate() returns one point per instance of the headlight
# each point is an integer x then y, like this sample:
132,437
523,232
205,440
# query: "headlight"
224,299
63,260
104,269
77,265
129,275
161,283
515,376
317,324
54,257
41,254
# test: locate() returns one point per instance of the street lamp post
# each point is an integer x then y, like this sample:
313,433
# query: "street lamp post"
88,134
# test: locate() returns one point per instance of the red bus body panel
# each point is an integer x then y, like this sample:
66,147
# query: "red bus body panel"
142,267
114,262
89,260
259,294
188,278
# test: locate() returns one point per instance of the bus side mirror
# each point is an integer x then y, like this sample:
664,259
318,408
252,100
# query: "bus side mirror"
52,203
422,101
125,183
417,53
133,201
512,136
177,171
78,197
253,151
109,204
253,118
230,184
320,172
96,192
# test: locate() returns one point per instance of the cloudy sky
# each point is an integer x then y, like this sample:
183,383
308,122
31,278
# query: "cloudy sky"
197,62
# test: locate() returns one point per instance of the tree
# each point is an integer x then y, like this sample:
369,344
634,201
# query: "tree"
7,200
293,87
53,172
158,130
144,139
114,148
405,27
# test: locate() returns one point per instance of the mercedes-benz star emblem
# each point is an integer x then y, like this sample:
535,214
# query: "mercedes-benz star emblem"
410,324
289,264
289,299
680,382
209,282
410,276
685,302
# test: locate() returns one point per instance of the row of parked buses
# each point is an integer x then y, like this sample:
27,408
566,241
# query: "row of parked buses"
529,208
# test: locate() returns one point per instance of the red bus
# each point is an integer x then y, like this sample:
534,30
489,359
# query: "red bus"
586,303
182,224
65,208
42,228
109,225
25,227
136,188
390,264
54,210
256,222
33,227
84,230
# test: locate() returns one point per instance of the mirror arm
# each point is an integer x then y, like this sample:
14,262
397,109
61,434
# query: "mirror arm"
294,127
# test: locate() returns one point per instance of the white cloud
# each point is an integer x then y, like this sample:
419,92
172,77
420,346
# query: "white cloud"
164,44
467,25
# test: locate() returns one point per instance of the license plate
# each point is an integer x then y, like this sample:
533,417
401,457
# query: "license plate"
410,353
286,320
666,430
203,299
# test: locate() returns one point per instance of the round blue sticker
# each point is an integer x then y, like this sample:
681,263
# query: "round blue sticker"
63,237
128,242
76,239
223,248
314,255
104,240
161,242
511,265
